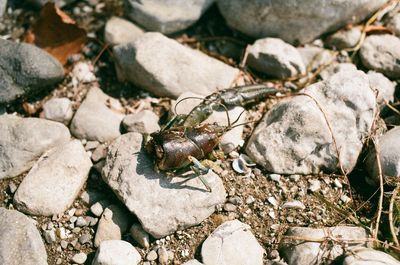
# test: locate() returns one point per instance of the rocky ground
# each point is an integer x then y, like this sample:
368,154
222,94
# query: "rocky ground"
298,182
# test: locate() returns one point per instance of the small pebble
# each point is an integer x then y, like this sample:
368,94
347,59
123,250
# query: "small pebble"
274,254
58,261
64,244
275,177
79,212
162,255
229,207
81,222
294,205
90,145
250,200
273,201
79,258
236,200
73,219
50,236
97,209
294,178
344,198
12,187
290,219
140,236
72,212
337,183
85,238
315,185
152,255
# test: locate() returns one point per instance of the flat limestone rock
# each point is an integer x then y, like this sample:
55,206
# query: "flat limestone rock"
162,205
20,241
294,21
24,140
119,30
116,252
94,120
313,250
166,16
232,243
54,181
166,68
368,256
305,133
25,69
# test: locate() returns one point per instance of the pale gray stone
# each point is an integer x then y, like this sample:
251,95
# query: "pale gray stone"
116,252
389,153
24,140
50,236
314,57
394,24
275,57
152,255
383,86
166,16
79,258
294,136
342,39
3,5
151,195
232,138
96,209
20,241
55,180
167,68
94,120
112,225
232,243
162,255
139,235
119,31
368,256
313,250
58,109
336,68
142,122
382,54
25,69
294,21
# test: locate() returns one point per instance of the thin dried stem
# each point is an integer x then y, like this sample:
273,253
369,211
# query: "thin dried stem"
380,203
391,225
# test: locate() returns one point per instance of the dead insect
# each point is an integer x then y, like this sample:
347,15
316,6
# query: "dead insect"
184,140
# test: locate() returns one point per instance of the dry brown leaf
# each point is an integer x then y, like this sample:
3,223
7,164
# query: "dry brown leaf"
57,33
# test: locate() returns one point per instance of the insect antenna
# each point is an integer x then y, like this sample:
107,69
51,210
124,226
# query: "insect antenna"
177,103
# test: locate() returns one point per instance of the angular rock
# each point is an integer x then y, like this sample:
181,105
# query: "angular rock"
394,24
368,256
79,258
20,241
54,181
116,252
313,250
167,68
119,31
24,140
347,38
232,243
384,87
294,136
313,57
112,225
152,196
232,138
166,16
58,109
382,54
94,120
294,21
276,58
389,153
25,69
142,122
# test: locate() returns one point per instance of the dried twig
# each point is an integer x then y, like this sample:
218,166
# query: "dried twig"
380,203
391,225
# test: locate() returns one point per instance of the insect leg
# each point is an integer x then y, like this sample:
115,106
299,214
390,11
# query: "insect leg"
200,170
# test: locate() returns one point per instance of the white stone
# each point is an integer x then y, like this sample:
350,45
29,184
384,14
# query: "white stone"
152,196
232,243
83,71
346,38
119,31
142,122
116,252
58,109
166,68
55,180
79,258
368,256
275,57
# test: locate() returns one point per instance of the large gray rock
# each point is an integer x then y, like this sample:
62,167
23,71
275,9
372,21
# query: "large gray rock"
305,246
152,196
167,68
368,256
294,20
54,181
25,69
383,86
232,243
116,252
24,140
3,5
305,133
113,223
166,16
20,241
382,54
276,58
58,109
94,120
119,30
389,153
